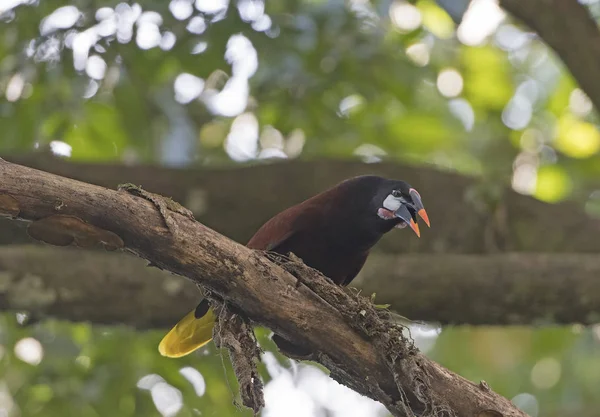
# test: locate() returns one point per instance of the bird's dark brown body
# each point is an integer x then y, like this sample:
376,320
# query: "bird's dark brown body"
331,232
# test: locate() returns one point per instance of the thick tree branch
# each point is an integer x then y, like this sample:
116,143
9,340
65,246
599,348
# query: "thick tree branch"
119,288
365,353
237,201
567,27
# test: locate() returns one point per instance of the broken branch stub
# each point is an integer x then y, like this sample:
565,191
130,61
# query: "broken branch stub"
165,205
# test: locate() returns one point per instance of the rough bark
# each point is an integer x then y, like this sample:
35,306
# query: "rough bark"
237,201
360,352
567,27
519,289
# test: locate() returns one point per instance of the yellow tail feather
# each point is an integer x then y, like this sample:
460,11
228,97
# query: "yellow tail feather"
188,335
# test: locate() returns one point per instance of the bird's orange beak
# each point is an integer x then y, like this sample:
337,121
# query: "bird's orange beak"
417,205
404,214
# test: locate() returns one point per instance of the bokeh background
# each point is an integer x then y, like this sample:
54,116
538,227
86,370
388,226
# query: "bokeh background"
455,85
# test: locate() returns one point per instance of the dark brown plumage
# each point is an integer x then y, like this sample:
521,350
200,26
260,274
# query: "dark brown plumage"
333,231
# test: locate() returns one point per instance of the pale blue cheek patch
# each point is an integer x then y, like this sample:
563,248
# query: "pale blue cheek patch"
392,203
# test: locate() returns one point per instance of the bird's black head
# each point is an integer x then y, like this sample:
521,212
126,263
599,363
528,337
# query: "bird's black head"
399,203
357,212
389,203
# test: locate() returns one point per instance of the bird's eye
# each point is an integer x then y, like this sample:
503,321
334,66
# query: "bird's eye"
396,193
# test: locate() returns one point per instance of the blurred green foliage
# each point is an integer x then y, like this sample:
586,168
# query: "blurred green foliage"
334,78
96,371
344,79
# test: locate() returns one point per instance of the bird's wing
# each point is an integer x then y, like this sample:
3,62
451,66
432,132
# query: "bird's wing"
195,329
282,227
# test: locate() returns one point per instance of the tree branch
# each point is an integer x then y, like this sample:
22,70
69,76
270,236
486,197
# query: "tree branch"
365,353
488,289
119,288
471,225
95,286
567,27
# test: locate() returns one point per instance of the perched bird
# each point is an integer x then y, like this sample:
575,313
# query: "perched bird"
332,232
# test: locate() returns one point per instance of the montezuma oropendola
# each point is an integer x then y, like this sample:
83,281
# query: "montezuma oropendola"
332,232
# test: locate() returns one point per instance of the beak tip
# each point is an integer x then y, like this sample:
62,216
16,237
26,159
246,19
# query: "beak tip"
425,217
415,227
